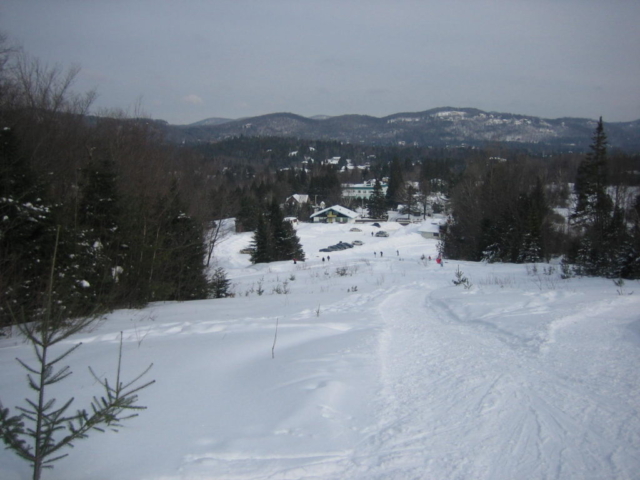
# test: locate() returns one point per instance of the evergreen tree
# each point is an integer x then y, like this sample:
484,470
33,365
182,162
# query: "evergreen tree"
533,211
100,217
178,267
100,209
27,233
262,243
593,205
630,264
294,248
275,239
325,185
43,429
409,202
377,203
603,229
396,187
279,234
247,217
220,284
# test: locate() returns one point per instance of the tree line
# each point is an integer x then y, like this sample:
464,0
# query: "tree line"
100,198
525,210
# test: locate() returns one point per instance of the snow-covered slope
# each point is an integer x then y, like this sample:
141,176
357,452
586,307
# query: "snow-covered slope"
383,369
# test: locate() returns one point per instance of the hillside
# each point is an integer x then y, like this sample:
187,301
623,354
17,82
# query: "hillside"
436,128
381,369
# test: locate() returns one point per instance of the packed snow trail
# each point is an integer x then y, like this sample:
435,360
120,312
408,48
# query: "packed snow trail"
461,403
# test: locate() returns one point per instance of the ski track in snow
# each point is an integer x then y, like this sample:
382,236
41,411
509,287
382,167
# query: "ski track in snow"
462,399
454,387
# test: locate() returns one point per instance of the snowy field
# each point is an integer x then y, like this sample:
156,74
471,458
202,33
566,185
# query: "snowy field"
383,369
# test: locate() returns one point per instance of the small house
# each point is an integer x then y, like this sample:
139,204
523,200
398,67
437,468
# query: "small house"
335,214
297,200
431,229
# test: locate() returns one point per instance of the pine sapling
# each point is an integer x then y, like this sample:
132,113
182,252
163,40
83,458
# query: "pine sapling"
461,279
42,430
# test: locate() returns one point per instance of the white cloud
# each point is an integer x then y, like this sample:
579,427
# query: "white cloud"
193,99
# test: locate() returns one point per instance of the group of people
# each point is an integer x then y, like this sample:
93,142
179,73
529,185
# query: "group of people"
439,260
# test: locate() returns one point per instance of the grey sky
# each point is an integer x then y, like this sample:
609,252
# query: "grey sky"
189,60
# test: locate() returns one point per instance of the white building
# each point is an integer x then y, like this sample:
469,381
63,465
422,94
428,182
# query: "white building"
431,228
361,190
297,199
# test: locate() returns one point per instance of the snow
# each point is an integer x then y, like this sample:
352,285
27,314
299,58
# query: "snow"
451,114
383,369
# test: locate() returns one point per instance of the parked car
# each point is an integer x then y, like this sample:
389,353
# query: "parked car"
382,233
249,250
357,243
355,229
338,246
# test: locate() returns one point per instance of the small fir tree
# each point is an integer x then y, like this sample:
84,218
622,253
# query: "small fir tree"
42,429
220,284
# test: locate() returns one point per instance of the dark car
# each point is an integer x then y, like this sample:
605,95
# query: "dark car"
338,246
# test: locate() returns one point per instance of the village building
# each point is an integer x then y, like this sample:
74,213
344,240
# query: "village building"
432,228
361,190
297,200
335,214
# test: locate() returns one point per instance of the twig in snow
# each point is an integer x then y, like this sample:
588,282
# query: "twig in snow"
275,337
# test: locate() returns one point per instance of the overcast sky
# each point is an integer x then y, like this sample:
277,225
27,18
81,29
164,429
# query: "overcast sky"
189,60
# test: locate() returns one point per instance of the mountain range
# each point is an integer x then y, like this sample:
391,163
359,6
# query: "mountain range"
439,127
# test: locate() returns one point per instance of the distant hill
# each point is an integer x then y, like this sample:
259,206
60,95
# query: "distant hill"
439,127
210,121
